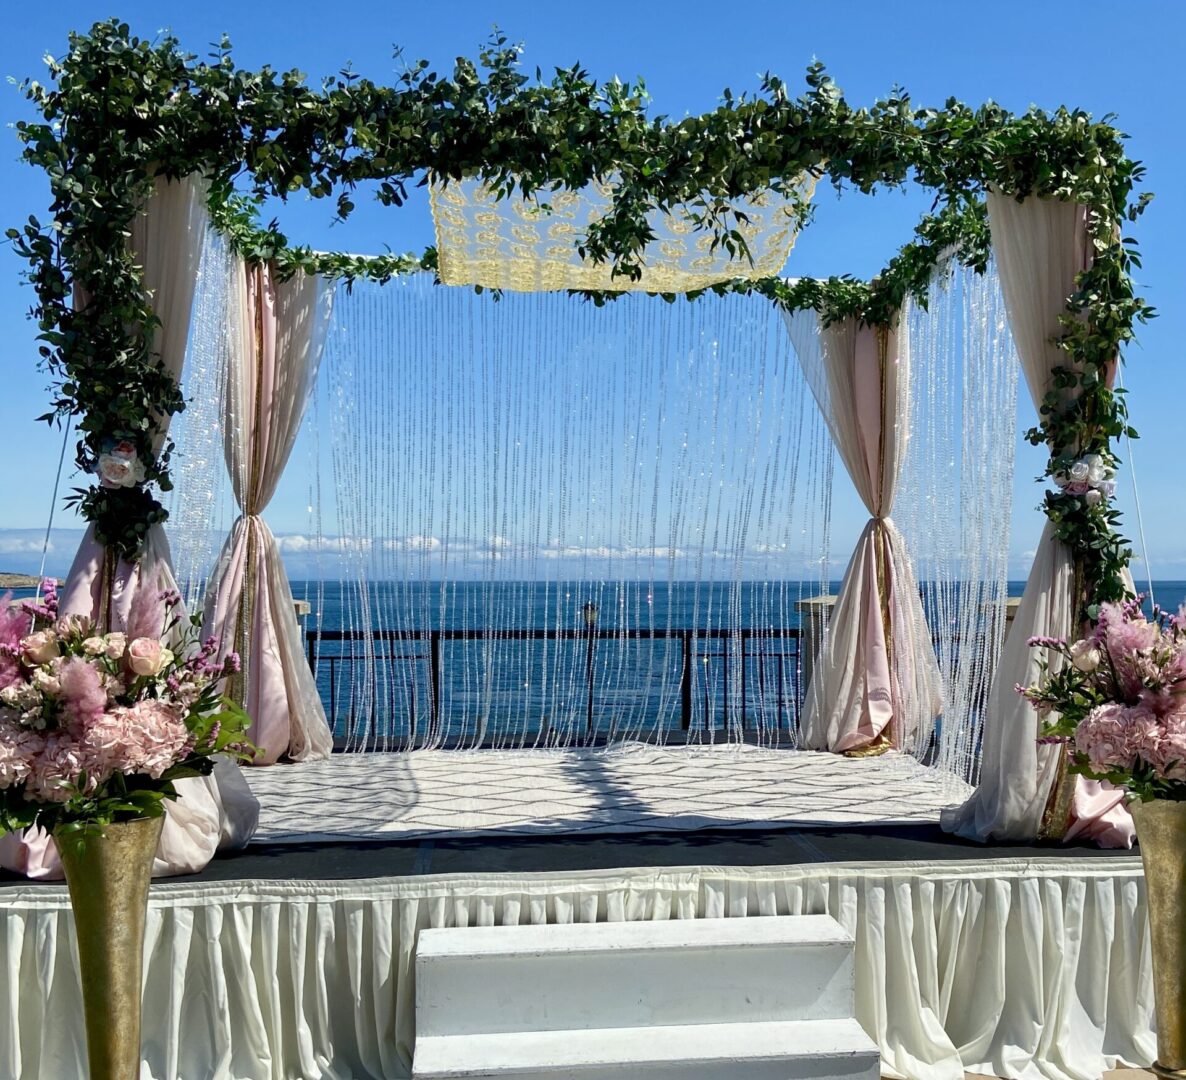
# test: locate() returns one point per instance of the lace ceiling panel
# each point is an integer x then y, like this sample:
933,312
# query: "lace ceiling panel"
530,245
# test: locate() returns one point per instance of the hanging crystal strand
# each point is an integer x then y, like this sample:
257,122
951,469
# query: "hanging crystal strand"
354,701
315,586
956,481
197,505
528,456
927,506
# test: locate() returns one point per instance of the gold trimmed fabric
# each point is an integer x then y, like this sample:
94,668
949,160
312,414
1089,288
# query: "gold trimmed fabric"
530,244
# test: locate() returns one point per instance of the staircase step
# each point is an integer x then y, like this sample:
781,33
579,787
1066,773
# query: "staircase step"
613,975
792,1050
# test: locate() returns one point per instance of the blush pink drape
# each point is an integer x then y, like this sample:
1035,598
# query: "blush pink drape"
217,811
1040,245
876,673
276,338
166,240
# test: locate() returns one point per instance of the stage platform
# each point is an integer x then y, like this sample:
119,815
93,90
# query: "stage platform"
295,957
627,789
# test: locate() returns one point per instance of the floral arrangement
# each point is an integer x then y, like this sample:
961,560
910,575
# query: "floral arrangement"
1092,476
120,466
96,727
1119,699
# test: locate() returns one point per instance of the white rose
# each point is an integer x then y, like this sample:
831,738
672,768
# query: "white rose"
121,466
46,683
73,626
1085,656
1080,471
40,648
116,644
1092,497
1096,469
94,646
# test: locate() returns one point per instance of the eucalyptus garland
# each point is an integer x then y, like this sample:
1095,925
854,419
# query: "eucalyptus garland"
120,110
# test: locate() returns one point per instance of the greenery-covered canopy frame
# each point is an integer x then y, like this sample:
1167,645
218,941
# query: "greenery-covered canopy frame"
122,110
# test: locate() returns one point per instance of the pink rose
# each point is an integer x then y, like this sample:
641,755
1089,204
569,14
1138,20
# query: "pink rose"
146,656
116,645
40,647
121,466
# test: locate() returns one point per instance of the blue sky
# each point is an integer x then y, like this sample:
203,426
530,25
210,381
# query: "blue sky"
1101,56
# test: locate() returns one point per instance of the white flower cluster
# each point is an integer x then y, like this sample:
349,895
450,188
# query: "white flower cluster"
1092,476
121,466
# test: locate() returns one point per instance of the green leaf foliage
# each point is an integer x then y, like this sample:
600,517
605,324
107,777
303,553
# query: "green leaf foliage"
119,110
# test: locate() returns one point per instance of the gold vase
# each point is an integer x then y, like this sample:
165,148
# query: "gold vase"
1161,829
108,875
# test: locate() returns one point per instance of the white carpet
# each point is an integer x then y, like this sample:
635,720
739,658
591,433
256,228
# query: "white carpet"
630,789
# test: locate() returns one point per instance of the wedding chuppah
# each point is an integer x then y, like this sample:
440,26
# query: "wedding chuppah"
570,593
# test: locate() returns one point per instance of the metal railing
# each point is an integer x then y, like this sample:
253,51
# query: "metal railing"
767,657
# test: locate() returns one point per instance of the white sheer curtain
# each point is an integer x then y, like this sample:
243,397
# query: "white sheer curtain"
1041,245
876,681
276,333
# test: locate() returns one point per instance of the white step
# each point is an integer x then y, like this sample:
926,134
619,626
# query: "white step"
795,1050
632,974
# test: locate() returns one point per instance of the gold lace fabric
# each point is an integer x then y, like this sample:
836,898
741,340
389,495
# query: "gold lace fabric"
530,245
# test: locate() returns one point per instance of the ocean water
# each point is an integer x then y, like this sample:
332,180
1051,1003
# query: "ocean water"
516,665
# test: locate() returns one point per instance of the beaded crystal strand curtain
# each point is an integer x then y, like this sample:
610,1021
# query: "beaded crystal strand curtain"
956,493
559,524
200,505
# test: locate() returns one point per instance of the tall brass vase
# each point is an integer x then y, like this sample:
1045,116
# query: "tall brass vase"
1161,829
108,876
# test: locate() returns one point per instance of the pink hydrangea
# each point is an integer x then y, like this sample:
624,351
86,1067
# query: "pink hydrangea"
1103,735
1169,759
19,747
147,738
56,771
1144,732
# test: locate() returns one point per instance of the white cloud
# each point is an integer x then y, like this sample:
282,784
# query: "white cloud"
295,544
18,545
423,543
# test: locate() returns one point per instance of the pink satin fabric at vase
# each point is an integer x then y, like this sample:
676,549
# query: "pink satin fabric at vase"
211,814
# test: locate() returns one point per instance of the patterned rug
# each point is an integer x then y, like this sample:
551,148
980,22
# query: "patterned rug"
628,789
